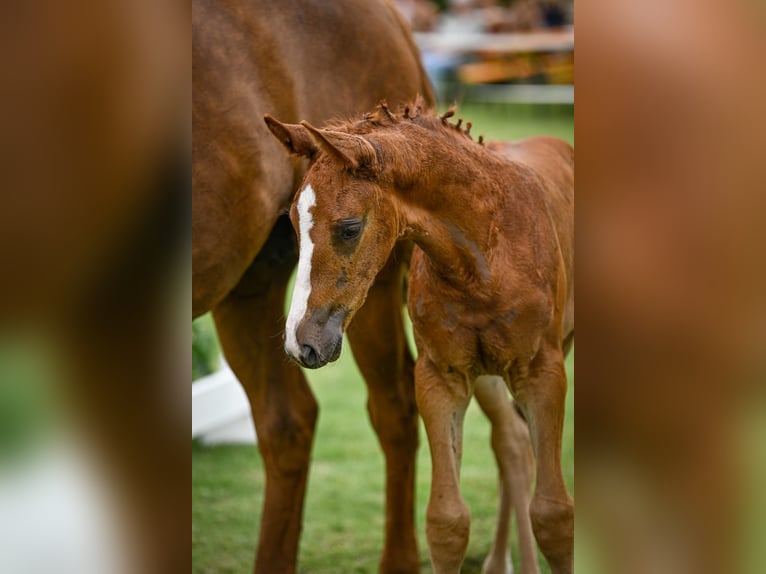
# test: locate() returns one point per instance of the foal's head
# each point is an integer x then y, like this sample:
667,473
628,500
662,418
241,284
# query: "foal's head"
346,230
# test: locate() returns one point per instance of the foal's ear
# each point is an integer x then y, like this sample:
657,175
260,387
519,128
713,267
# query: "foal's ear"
354,151
294,137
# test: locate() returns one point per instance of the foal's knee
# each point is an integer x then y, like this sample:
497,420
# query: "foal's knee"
553,525
447,530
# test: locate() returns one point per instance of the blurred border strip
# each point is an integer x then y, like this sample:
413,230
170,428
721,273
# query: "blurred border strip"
671,199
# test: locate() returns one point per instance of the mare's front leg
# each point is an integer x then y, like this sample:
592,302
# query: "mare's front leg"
380,348
541,395
250,324
515,461
442,399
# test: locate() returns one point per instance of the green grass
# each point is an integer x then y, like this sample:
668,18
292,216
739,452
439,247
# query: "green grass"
344,511
511,122
343,520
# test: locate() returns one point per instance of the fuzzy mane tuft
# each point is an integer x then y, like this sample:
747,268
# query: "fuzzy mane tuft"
414,112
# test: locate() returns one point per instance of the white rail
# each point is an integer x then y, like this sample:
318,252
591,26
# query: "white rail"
220,410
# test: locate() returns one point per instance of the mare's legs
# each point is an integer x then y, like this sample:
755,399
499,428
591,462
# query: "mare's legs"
380,348
515,461
541,395
442,399
250,323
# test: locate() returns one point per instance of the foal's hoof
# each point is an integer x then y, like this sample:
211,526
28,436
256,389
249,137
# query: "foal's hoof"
494,565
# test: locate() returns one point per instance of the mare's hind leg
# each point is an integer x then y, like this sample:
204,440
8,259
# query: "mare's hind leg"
541,395
250,324
442,399
515,461
380,348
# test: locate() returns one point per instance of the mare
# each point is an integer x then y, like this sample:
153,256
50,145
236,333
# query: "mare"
490,286
300,59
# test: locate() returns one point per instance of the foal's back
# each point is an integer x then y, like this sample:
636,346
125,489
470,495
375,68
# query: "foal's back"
552,160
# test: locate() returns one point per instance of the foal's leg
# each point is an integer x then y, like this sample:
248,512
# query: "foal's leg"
442,400
541,395
513,452
381,352
250,325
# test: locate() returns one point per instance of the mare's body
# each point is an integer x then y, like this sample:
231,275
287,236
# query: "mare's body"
302,59
490,288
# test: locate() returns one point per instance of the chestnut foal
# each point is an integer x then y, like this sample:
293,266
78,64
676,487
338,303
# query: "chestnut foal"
490,285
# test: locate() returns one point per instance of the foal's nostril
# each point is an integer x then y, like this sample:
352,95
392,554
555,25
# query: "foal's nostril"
309,357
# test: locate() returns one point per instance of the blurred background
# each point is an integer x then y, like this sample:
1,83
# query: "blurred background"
94,344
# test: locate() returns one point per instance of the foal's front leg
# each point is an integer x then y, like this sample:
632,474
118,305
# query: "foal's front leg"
442,400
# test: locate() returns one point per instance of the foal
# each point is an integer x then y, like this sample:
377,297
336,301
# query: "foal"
490,285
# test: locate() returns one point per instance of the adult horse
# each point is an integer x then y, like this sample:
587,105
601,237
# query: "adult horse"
298,59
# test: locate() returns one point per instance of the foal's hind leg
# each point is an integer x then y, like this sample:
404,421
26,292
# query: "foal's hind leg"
442,400
541,395
381,352
515,461
250,325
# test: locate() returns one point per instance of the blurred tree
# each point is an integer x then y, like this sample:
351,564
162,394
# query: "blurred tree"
205,349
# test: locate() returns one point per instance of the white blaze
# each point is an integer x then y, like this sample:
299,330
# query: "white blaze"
302,289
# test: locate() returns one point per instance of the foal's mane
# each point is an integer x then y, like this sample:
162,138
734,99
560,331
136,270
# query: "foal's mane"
414,112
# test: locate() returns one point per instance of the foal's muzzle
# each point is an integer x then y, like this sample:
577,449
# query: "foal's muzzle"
320,338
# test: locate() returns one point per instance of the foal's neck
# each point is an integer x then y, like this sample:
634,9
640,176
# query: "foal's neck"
449,189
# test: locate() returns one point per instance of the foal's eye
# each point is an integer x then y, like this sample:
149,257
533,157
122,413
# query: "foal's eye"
345,235
350,229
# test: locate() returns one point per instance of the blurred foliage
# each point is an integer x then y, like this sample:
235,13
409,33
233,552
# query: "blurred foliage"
206,353
26,401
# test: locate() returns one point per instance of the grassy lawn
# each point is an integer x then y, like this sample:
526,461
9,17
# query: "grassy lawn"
344,513
343,522
511,122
